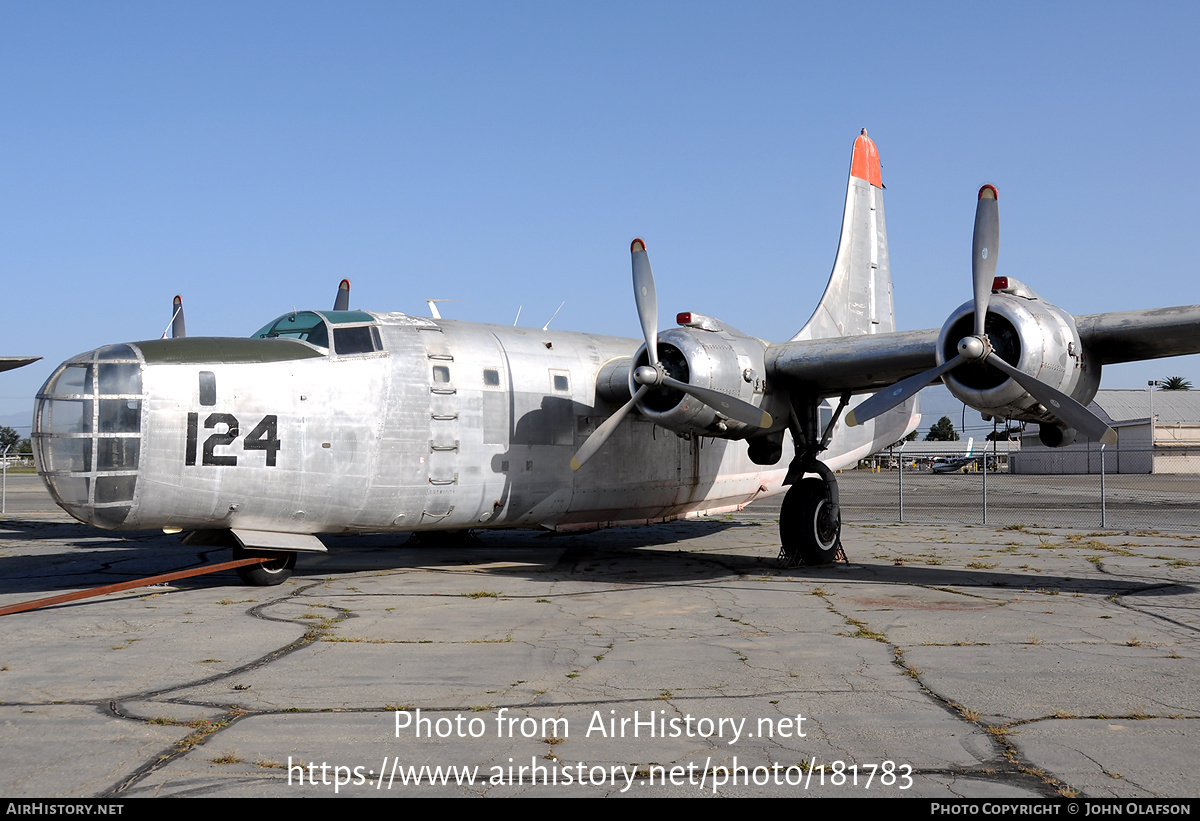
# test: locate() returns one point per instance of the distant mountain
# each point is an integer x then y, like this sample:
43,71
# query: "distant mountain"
20,422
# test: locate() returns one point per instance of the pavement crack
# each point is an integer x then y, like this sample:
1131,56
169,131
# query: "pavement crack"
205,729
998,734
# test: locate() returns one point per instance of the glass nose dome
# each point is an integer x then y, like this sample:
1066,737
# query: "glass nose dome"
87,434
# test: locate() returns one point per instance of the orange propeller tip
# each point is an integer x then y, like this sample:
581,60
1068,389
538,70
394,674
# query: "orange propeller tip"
637,245
988,192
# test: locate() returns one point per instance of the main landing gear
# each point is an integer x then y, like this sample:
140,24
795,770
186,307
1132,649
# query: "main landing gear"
810,527
810,523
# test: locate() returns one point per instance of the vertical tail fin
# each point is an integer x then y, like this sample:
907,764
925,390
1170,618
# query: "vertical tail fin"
858,298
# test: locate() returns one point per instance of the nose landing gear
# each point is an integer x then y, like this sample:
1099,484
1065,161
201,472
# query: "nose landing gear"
266,574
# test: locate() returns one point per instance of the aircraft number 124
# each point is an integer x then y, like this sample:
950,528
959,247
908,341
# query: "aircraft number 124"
264,436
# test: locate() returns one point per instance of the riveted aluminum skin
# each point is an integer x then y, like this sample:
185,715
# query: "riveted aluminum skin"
448,425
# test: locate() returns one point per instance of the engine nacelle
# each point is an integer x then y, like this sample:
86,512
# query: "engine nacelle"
710,355
1031,335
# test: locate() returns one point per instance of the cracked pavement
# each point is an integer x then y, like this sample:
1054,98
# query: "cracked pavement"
993,662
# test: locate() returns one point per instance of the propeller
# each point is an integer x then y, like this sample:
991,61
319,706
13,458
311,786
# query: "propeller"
177,328
655,375
985,248
977,348
342,302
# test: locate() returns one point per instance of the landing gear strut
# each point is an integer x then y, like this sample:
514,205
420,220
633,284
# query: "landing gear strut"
810,525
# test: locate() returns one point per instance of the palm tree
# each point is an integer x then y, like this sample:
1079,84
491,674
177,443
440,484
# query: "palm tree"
1176,383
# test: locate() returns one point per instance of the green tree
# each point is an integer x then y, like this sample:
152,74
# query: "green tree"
8,438
1176,383
942,431
1005,434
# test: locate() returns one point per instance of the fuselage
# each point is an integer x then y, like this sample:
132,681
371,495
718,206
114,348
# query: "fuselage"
369,422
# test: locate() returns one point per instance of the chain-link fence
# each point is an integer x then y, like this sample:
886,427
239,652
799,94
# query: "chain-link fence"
922,488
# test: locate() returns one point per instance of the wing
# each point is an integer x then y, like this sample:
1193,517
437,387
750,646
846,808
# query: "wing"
867,363
7,363
858,364
1128,336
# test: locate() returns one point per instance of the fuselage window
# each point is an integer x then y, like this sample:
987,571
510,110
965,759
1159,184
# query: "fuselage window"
441,373
208,388
491,377
562,383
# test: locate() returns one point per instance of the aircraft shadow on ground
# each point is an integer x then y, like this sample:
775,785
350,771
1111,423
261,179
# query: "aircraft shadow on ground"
630,556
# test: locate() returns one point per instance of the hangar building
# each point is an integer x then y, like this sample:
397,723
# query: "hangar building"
1171,444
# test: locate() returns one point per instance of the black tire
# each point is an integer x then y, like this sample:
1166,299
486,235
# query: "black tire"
806,530
269,573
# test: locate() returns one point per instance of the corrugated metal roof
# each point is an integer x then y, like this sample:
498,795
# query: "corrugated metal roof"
1171,407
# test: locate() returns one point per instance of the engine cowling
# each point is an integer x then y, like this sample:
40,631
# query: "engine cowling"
1033,336
710,355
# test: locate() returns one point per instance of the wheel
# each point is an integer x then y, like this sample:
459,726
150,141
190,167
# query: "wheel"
807,531
267,574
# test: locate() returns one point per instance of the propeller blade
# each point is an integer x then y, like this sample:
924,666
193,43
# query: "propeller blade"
600,435
178,327
646,297
903,390
731,406
1058,403
985,249
342,301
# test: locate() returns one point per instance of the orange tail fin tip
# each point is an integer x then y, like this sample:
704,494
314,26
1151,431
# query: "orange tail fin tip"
865,164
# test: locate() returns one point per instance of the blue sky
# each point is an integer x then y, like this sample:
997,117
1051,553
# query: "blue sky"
250,155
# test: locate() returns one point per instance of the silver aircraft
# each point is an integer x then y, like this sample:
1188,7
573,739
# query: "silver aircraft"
350,421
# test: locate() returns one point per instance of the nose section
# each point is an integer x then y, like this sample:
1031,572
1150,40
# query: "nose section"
87,434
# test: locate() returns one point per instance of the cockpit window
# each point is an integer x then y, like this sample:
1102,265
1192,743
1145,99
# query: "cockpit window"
314,328
306,326
357,339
